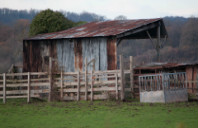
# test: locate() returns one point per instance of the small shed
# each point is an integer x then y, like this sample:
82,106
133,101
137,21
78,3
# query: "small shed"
96,40
191,70
163,87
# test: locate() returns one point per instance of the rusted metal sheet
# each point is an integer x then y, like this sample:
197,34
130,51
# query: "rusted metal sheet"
195,78
158,66
100,29
112,54
78,55
189,75
192,76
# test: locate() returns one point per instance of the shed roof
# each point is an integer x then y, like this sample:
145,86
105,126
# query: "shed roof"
118,28
153,66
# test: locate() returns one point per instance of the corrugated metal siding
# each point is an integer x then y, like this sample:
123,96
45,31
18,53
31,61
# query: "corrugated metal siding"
91,50
112,54
103,54
65,55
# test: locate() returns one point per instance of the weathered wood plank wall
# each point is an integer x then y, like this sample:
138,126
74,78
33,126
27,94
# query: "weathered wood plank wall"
23,85
69,55
65,55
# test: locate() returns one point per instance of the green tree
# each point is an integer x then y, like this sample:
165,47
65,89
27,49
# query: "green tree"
49,21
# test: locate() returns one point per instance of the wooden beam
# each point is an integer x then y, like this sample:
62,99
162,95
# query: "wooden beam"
4,88
116,86
92,86
16,74
118,41
20,92
122,78
153,43
50,79
158,43
131,75
86,82
28,88
137,30
78,86
61,84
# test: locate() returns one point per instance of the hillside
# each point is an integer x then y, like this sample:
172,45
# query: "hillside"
181,45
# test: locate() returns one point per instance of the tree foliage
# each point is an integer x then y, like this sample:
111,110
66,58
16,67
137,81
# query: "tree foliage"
120,17
49,21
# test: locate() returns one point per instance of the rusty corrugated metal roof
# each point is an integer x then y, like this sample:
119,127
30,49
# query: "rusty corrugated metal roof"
97,29
153,66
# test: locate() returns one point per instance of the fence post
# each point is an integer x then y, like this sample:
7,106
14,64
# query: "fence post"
163,82
61,91
50,79
122,78
78,86
131,75
186,86
116,85
91,85
86,79
140,84
28,88
4,88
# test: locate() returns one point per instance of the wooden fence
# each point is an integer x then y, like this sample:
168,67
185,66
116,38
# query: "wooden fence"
85,85
24,85
65,85
91,85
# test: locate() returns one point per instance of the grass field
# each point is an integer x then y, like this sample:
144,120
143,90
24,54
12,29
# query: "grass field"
98,114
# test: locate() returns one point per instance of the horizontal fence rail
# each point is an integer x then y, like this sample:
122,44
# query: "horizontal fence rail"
89,86
64,85
23,85
86,85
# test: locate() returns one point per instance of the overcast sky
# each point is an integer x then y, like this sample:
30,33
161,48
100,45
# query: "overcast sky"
132,9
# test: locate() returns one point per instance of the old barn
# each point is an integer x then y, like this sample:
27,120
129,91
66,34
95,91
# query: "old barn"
95,40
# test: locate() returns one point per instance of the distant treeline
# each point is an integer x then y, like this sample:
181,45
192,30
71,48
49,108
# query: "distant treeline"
181,46
9,16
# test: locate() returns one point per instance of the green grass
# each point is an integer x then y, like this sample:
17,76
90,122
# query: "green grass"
98,114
